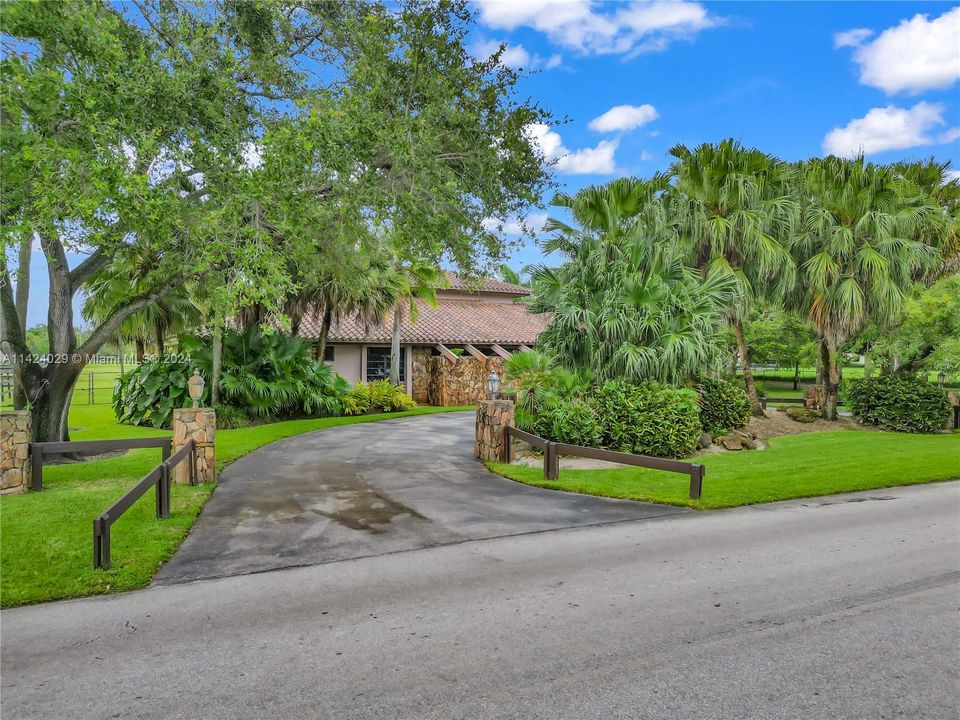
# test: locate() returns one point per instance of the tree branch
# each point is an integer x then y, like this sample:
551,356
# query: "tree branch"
92,265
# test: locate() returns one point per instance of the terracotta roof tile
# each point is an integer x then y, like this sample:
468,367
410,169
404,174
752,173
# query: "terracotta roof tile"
484,285
452,322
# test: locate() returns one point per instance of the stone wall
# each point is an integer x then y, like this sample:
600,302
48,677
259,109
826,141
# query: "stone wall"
420,359
14,451
492,417
953,396
461,383
199,424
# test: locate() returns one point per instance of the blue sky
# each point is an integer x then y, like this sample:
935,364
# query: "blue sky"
794,79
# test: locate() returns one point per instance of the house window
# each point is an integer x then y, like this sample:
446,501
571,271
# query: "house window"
328,353
378,363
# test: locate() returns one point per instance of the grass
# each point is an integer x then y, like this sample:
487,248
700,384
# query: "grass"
46,538
793,466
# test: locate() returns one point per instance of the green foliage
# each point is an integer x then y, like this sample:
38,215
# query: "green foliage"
569,421
781,338
230,418
536,379
377,396
148,394
623,304
724,405
898,402
647,419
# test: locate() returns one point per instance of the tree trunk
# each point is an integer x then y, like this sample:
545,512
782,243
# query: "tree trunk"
217,361
796,376
158,337
755,407
830,360
141,349
23,297
49,394
324,332
395,347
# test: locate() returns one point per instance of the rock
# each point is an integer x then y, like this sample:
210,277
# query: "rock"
749,444
802,415
705,441
731,442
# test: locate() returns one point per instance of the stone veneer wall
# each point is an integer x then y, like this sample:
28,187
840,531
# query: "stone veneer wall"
200,424
14,451
460,383
420,365
492,417
953,396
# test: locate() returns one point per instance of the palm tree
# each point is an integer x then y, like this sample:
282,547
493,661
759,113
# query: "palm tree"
624,304
410,282
731,205
174,312
859,246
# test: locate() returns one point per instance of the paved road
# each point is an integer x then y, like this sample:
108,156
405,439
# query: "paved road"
371,489
834,608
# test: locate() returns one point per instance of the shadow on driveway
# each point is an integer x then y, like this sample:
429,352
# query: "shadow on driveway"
371,489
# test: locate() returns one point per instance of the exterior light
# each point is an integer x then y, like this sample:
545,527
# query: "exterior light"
493,384
941,378
195,386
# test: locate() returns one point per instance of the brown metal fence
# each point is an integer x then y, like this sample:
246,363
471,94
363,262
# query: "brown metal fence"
553,450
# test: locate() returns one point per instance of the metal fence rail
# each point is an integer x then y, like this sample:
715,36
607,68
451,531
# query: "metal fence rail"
553,450
40,450
158,478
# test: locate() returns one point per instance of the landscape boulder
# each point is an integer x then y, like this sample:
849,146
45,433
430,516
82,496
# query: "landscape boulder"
803,415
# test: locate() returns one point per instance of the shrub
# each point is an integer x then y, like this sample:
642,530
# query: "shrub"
537,381
149,393
230,418
648,418
724,406
377,396
897,402
569,421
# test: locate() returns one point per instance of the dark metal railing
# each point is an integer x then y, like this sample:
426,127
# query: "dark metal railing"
41,449
553,450
158,478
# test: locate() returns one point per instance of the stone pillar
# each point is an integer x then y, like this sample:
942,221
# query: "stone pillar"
199,424
14,451
953,397
492,417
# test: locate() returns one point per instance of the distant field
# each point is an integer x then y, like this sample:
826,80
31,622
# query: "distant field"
94,387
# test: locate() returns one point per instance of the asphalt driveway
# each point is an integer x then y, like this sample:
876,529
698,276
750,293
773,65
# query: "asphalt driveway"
371,489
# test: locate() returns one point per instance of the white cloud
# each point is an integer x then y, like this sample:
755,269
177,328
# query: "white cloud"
511,225
597,160
624,117
646,156
515,56
653,133
887,128
916,55
640,26
952,176
949,136
851,38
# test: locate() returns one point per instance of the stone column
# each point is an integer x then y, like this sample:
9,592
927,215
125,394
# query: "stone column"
200,425
953,397
15,463
492,417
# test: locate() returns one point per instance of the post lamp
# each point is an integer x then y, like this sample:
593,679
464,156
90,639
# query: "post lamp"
941,379
493,384
195,387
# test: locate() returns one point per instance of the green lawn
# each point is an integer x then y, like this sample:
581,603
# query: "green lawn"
793,466
46,546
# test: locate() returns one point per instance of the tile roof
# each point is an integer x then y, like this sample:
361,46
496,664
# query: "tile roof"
456,282
452,322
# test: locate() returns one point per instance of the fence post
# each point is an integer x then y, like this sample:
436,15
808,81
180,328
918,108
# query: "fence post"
507,445
551,463
163,492
101,542
696,480
90,387
97,547
36,452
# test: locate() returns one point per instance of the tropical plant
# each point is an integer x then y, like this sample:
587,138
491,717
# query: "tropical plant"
624,304
903,402
724,405
149,393
859,246
377,396
229,417
732,208
647,419
535,379
569,421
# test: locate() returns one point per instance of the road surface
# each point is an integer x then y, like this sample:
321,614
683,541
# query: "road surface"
841,607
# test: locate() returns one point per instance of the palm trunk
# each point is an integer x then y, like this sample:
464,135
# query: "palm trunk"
755,407
158,334
832,373
216,362
395,347
324,332
141,349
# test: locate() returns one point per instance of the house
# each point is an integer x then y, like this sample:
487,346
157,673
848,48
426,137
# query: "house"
447,354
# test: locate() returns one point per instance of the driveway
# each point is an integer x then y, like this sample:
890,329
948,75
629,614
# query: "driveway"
372,489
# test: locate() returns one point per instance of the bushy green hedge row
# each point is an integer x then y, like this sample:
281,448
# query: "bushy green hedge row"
724,405
377,396
897,402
